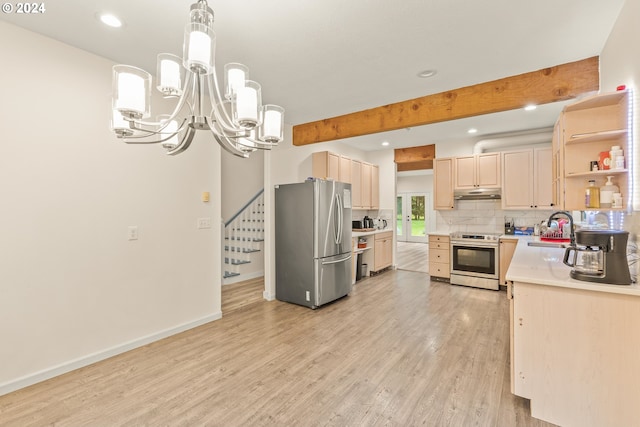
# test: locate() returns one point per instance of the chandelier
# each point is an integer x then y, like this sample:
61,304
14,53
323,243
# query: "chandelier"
236,117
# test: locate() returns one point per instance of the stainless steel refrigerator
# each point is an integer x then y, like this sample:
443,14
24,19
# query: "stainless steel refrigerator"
313,242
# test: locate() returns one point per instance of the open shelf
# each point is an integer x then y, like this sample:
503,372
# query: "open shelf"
597,101
609,135
604,172
590,128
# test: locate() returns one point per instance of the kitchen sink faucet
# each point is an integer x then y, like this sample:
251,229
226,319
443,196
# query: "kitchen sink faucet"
572,235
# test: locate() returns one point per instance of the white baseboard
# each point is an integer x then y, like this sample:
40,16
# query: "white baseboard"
81,362
268,296
242,277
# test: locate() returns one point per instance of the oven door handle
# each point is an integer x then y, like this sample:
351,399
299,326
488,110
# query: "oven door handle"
474,245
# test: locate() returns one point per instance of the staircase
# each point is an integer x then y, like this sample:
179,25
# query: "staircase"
243,240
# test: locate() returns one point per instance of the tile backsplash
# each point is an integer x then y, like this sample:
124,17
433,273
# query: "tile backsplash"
485,216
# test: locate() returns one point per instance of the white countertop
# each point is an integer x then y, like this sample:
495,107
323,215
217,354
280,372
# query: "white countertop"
369,233
543,266
439,233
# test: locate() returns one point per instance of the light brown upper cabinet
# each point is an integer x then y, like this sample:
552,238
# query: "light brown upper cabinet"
527,179
477,171
443,183
364,177
375,187
345,172
366,185
368,190
356,183
328,165
592,126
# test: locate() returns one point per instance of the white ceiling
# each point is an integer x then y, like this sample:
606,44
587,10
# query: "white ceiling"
320,59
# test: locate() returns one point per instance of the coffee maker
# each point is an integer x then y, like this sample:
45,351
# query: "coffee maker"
599,256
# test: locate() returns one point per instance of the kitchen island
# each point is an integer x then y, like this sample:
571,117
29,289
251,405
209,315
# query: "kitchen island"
575,346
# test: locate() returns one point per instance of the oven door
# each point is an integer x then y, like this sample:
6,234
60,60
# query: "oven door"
475,259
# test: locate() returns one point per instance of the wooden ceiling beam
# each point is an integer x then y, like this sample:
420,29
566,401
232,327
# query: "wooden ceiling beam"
414,158
415,166
414,154
552,84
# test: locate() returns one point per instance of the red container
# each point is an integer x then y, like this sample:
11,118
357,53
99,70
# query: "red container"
604,162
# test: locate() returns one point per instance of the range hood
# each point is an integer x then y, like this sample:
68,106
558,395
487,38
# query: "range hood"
477,194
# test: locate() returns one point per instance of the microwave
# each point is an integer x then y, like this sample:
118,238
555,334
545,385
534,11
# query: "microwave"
357,224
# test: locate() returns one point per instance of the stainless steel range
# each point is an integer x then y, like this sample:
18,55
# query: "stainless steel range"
475,260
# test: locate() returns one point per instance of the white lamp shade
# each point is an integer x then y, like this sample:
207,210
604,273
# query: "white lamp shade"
198,48
169,74
131,90
272,124
235,76
248,105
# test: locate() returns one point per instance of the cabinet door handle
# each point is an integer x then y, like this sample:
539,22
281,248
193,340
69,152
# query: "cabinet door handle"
520,321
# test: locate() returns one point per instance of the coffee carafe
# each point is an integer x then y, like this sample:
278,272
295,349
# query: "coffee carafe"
599,256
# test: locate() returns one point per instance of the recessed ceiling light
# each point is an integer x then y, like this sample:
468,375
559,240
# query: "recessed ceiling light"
385,143
472,130
530,108
110,20
427,73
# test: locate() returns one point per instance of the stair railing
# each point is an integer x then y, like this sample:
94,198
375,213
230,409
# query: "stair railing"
243,234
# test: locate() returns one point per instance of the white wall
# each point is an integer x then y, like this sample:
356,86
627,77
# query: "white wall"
73,289
620,65
241,180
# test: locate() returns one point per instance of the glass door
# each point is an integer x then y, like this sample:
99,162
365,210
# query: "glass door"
412,217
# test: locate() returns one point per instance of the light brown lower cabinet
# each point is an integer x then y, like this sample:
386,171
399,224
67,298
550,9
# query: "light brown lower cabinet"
507,248
383,250
439,265
575,354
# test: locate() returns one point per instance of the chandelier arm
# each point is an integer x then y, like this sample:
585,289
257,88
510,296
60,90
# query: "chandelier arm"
181,101
149,133
185,142
229,146
225,123
261,145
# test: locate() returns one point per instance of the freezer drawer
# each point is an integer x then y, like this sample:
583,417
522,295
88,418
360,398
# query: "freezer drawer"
333,278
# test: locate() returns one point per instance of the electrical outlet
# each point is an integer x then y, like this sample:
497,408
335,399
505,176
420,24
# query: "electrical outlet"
132,232
204,222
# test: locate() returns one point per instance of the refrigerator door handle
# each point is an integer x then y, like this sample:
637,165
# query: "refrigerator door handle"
340,219
348,257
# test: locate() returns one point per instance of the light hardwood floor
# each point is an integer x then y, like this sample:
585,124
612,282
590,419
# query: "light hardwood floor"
412,256
399,351
242,294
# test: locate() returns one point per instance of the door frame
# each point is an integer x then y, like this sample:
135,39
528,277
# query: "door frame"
406,223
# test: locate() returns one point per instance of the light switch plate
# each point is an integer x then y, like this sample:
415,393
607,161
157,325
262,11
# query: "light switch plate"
204,222
132,232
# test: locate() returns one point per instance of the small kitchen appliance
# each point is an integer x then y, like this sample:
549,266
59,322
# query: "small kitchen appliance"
599,256
380,224
509,226
368,222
